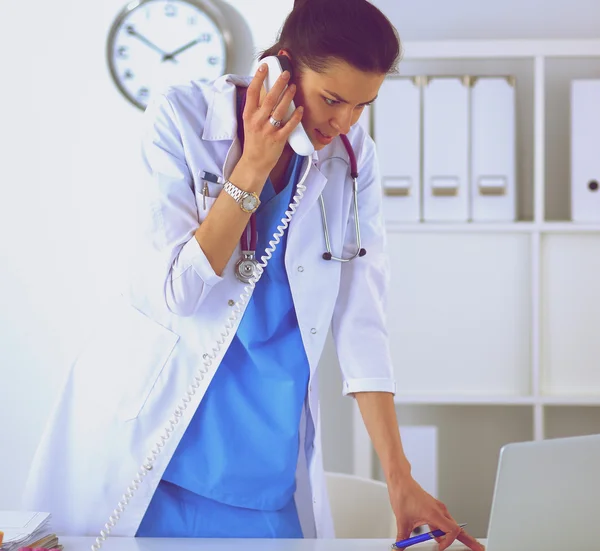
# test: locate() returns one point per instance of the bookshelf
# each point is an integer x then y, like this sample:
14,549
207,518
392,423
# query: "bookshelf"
494,325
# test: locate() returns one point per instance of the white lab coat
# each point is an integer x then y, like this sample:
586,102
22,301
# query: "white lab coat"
133,374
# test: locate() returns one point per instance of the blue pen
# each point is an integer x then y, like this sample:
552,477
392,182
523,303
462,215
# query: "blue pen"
422,537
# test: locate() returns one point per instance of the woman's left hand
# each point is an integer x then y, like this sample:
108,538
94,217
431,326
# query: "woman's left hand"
414,507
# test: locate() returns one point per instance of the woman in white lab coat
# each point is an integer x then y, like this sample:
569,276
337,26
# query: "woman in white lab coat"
225,438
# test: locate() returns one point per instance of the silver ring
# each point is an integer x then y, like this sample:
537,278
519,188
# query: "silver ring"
274,122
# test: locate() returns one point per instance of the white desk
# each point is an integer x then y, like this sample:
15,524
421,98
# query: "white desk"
189,544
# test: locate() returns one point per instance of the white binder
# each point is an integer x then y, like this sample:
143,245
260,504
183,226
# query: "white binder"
397,133
585,153
493,150
446,150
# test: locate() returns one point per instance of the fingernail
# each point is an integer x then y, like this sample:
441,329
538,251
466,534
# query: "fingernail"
262,67
286,75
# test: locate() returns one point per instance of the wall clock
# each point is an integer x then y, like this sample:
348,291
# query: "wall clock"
153,43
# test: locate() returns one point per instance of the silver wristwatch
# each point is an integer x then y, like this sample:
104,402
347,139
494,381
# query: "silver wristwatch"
247,201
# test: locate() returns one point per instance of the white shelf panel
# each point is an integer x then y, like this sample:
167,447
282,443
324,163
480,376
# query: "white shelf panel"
462,400
478,227
571,400
569,227
461,227
459,313
570,315
471,49
491,400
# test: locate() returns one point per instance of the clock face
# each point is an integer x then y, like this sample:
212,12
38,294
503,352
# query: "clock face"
154,43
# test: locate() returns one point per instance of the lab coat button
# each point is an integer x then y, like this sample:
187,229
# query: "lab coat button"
148,467
300,268
313,331
231,302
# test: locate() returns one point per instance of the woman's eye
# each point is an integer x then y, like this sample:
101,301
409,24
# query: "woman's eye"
330,101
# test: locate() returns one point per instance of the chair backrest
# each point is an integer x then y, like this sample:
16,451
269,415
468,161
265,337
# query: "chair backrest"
360,507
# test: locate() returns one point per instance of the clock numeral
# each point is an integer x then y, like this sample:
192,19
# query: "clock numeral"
214,60
170,10
205,37
128,74
143,92
122,52
192,20
130,29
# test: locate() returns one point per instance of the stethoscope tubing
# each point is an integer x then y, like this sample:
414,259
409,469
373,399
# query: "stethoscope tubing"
248,244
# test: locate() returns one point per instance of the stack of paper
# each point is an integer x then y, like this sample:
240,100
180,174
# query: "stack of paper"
26,529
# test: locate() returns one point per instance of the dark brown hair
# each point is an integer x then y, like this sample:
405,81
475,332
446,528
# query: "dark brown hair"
354,31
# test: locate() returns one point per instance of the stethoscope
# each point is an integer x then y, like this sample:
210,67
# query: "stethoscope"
245,268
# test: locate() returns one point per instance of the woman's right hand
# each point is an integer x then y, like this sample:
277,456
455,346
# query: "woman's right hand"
263,142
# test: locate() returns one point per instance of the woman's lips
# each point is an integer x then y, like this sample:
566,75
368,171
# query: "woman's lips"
324,139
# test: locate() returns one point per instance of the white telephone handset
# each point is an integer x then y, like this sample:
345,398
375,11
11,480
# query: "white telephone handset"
298,140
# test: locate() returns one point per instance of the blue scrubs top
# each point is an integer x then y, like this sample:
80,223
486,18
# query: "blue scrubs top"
240,451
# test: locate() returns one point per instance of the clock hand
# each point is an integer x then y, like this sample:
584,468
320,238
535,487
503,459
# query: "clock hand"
172,55
131,30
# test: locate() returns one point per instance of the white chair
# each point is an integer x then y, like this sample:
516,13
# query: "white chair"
360,507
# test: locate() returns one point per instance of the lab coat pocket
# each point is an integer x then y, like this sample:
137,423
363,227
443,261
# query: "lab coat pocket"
121,364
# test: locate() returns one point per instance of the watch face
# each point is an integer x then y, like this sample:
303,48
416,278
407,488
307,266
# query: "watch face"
154,43
250,202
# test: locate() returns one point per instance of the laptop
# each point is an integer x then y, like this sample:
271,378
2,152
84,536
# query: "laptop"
547,496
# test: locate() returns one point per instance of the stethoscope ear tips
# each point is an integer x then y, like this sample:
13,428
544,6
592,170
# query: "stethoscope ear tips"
362,252
327,256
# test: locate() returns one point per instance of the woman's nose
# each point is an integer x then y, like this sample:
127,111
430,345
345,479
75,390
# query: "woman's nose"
342,123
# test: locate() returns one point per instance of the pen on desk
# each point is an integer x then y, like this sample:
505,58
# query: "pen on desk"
421,538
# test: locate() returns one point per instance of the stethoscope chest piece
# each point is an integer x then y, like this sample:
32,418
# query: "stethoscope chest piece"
245,267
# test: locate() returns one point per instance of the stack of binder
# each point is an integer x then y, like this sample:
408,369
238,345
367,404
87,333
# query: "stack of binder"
447,148
27,529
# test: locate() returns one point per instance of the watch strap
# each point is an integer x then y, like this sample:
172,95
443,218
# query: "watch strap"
235,192
239,195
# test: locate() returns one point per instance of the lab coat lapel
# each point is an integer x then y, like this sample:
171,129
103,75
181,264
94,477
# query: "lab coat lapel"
315,182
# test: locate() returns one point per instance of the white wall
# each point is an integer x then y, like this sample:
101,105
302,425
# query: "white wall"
484,19
69,162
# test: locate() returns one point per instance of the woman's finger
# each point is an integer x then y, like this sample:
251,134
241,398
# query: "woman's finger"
470,541
402,534
450,529
282,107
272,97
433,528
444,508
254,88
294,121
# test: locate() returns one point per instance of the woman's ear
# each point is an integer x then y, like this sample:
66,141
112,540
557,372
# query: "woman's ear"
285,53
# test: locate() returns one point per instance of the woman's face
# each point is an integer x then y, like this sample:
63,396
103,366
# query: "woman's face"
334,100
